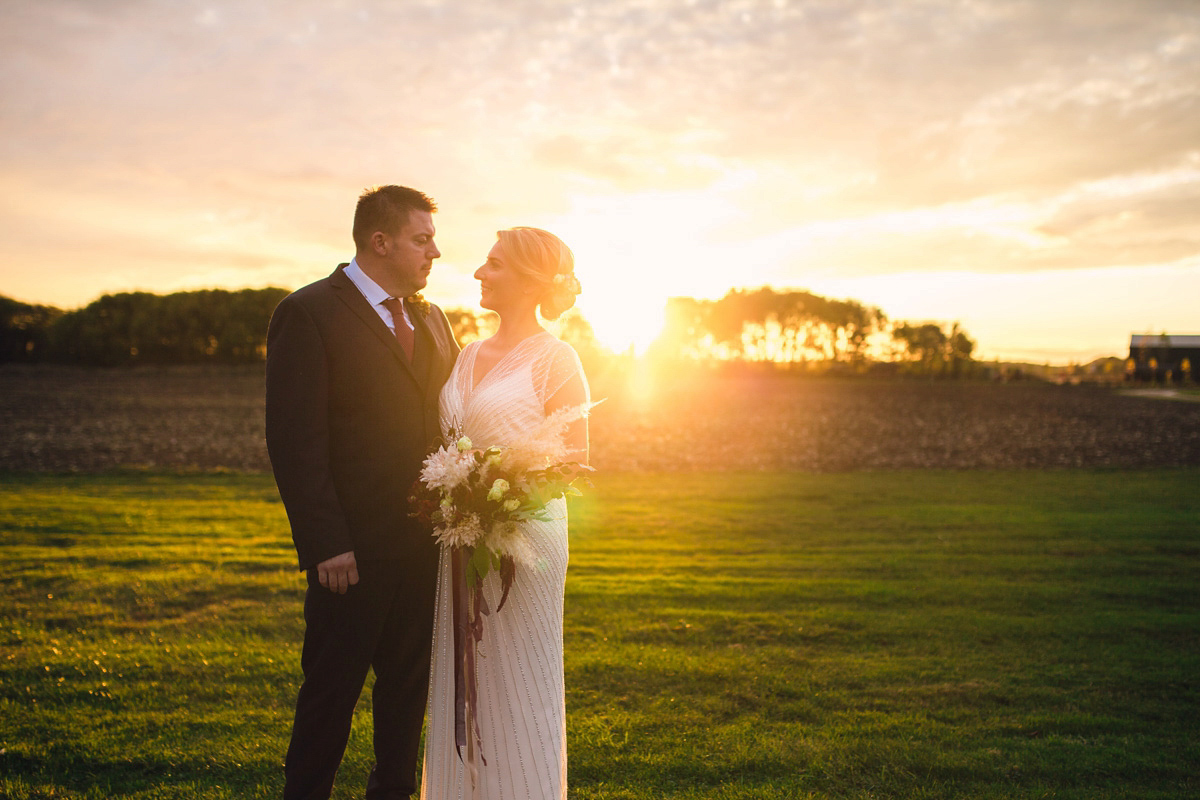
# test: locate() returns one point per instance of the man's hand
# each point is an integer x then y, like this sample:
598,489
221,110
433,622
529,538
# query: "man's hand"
338,573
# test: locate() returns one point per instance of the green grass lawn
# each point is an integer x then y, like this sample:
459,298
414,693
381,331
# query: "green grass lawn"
872,635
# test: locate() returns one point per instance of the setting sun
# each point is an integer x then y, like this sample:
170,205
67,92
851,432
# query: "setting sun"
1043,200
622,322
634,251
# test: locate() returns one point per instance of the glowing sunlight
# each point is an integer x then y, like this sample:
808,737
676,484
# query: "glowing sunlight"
901,155
622,322
634,251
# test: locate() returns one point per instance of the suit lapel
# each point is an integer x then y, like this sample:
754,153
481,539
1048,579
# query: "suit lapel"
442,352
428,350
434,357
421,347
349,294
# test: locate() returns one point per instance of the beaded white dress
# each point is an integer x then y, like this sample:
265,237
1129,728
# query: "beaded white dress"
521,699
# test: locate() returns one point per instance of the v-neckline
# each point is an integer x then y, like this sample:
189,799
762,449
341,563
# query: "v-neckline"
475,384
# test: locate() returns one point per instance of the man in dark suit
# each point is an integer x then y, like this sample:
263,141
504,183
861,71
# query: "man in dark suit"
353,377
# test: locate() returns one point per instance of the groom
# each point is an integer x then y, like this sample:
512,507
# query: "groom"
353,377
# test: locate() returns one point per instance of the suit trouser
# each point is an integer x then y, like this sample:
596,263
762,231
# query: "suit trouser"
384,623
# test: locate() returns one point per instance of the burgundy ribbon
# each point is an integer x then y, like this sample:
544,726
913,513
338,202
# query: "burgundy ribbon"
469,609
458,578
470,606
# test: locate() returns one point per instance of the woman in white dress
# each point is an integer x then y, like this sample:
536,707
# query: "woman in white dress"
500,388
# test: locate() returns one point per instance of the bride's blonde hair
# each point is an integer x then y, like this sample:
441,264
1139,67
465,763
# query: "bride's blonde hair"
543,258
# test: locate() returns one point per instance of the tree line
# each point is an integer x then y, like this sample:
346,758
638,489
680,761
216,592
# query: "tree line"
792,327
787,327
208,326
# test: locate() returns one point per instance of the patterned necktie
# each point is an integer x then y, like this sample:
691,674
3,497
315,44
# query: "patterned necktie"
404,334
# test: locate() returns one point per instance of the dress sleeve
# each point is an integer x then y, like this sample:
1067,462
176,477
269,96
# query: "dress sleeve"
559,366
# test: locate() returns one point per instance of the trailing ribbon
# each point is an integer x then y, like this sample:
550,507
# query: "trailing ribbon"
458,578
469,609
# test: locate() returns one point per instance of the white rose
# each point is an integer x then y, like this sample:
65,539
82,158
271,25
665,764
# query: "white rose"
512,504
499,487
463,444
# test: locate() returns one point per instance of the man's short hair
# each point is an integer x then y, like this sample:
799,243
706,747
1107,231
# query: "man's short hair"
386,208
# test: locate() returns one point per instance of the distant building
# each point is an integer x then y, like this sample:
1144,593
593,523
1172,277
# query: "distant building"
1163,358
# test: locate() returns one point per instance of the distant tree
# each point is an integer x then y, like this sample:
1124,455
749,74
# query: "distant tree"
925,344
469,324
959,349
803,332
574,329
767,325
103,332
793,315
213,325
759,324
25,330
932,351
849,324
685,329
245,337
729,317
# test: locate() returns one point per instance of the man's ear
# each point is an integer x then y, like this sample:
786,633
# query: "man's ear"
379,243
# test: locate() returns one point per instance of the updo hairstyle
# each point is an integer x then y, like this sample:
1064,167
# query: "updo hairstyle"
543,258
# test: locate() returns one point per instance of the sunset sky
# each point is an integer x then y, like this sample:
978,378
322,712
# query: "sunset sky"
1030,169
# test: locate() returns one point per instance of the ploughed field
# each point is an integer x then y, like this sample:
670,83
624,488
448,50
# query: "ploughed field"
62,419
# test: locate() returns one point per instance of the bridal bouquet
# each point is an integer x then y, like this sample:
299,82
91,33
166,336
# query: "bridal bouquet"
475,499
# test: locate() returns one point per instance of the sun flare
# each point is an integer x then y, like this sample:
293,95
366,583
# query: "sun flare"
634,251
622,323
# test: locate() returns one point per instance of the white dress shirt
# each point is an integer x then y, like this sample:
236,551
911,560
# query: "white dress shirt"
375,295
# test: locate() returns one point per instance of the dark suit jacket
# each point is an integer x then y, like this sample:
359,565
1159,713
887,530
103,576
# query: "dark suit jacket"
349,421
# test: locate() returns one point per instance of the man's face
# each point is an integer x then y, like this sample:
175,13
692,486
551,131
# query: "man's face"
409,254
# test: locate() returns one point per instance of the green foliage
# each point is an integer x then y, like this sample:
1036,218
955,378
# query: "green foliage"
933,351
479,565
734,636
789,327
768,325
469,325
186,327
24,330
210,326
220,326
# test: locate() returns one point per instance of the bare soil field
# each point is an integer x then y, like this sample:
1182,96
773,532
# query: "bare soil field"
55,419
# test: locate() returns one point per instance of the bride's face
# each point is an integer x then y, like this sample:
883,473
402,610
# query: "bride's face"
501,287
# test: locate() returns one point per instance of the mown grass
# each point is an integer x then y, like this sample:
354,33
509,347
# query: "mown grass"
869,635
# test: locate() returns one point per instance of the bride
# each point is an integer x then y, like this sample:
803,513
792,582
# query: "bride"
502,387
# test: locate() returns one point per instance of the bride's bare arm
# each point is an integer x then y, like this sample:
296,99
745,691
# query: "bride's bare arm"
573,393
